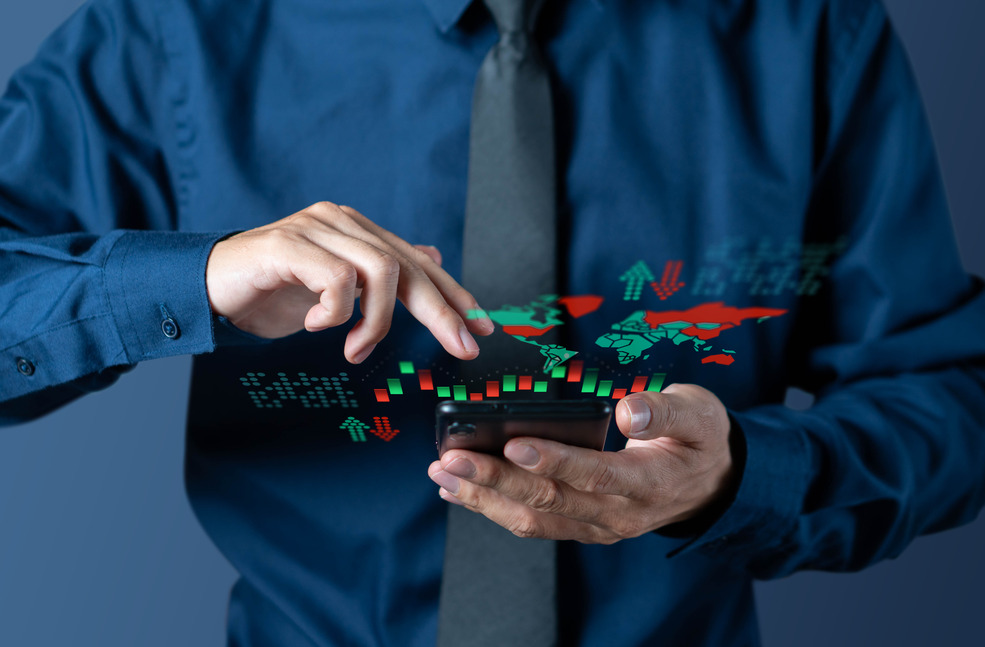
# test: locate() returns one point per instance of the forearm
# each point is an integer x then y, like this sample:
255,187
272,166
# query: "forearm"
76,305
858,476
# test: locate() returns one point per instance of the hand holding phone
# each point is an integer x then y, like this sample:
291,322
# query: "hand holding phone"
485,426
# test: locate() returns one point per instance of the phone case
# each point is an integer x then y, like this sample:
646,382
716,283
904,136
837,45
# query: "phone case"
485,426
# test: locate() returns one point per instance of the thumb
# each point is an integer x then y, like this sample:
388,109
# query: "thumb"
684,412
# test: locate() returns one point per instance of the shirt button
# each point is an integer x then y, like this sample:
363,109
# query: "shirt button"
170,328
25,366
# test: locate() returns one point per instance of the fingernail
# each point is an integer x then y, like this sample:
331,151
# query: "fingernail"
522,454
468,342
447,481
461,467
358,359
639,415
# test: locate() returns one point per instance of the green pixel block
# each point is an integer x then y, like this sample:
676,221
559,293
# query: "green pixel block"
605,388
460,393
509,383
540,387
443,392
406,368
591,379
393,385
559,372
656,382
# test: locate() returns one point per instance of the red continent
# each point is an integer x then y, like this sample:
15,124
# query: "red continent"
724,360
716,312
525,331
581,305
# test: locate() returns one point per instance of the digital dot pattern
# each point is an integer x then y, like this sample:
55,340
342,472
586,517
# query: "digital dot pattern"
383,429
356,429
300,389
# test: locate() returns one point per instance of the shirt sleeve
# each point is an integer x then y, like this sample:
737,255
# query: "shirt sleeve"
894,352
93,276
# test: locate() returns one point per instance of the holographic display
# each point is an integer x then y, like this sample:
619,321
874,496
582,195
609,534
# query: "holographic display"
735,268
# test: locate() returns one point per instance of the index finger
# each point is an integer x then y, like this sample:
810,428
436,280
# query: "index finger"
449,290
587,470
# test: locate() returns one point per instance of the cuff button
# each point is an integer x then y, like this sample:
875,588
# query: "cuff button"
25,366
170,328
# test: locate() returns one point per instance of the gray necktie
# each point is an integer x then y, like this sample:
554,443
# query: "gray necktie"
498,590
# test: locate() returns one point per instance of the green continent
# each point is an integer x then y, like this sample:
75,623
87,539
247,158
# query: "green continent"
629,346
539,313
633,336
634,323
555,355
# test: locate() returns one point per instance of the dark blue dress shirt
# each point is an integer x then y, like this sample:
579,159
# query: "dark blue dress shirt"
777,149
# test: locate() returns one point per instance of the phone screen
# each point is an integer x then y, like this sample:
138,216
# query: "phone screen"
486,426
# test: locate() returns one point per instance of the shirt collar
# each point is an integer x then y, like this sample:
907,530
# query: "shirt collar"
447,12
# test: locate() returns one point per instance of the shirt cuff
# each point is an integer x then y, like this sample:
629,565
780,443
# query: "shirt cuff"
227,334
155,281
770,494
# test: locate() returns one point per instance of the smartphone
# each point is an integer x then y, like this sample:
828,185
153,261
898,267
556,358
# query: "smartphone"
485,426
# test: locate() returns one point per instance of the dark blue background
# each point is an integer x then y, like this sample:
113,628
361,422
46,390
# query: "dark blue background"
98,546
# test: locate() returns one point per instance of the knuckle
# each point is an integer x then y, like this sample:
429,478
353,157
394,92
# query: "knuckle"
379,330
602,536
608,540
524,525
446,316
324,207
303,218
338,316
627,528
489,474
437,313
386,266
286,233
350,212
664,416
601,478
357,219
299,224
421,257
339,311
412,269
547,496
345,275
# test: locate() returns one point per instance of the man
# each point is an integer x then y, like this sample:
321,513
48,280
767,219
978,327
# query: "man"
702,143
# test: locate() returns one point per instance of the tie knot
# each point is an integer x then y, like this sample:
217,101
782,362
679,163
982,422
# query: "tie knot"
512,16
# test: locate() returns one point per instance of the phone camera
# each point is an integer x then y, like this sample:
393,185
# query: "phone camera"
461,430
